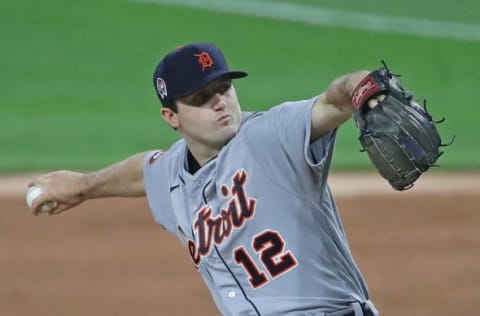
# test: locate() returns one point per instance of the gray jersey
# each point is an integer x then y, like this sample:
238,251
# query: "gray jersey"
259,221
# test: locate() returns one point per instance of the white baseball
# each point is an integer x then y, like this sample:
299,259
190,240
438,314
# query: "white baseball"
33,193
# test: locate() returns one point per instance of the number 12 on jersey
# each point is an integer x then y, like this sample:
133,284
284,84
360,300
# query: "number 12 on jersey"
270,247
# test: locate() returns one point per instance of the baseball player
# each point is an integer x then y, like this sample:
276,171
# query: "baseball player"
245,192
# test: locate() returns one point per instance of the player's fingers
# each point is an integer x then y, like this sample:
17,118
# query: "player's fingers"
44,200
60,208
53,207
372,103
48,207
37,202
41,203
375,101
39,206
36,208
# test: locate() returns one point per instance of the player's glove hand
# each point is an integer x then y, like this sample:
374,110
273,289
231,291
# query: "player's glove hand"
399,136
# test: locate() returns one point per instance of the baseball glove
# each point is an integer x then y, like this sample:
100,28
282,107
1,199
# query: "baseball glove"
399,136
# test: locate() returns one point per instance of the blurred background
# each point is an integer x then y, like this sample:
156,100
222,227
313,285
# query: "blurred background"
75,77
76,92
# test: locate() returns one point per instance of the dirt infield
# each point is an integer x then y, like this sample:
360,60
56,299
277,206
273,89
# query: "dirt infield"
419,251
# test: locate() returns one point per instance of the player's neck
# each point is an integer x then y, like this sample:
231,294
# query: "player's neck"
192,163
200,155
203,152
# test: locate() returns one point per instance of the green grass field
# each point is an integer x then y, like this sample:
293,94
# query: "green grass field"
76,89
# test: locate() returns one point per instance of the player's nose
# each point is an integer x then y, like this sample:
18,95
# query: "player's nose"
218,102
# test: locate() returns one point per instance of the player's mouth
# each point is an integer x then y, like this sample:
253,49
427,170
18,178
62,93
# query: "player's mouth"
224,119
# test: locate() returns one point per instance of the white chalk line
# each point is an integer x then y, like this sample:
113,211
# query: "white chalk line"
328,17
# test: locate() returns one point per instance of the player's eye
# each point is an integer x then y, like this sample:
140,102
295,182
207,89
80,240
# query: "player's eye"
224,87
203,96
200,98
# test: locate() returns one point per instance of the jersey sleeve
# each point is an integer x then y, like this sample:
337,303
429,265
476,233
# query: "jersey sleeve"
156,180
282,138
291,123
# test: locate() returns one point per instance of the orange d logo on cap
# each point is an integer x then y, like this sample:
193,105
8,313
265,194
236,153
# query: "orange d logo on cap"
205,60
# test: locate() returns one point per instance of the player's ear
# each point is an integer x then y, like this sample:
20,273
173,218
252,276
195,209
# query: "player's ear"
170,117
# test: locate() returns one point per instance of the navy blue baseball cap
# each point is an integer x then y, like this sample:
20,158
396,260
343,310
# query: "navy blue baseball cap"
188,69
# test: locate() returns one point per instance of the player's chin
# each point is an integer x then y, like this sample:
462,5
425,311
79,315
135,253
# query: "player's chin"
225,133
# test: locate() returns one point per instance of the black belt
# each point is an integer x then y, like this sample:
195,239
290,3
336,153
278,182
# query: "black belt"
365,309
366,312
